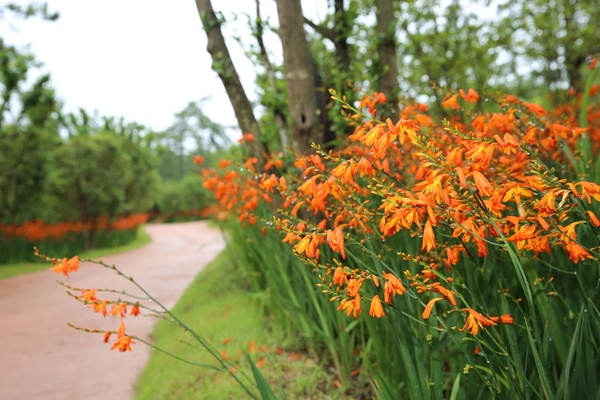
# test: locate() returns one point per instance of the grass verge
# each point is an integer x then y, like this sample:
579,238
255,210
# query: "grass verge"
8,270
219,307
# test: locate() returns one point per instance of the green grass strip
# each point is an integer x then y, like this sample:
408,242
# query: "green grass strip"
141,239
219,306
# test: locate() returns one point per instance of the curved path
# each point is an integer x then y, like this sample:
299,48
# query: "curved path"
42,358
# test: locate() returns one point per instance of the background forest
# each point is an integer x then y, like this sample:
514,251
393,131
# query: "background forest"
49,159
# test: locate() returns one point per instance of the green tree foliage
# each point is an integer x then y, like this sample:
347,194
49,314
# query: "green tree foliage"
103,175
449,44
30,10
554,38
28,130
176,198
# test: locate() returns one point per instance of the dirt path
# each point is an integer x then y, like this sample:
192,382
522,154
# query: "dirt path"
42,358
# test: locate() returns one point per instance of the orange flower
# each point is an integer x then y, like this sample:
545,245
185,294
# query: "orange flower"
484,187
515,191
224,163
452,256
339,276
505,319
123,342
100,307
135,310
351,306
428,237
481,152
522,235
475,321
576,252
120,308
471,96
392,287
335,239
198,159
536,109
365,167
380,97
248,137
589,189
569,231
447,293
546,205
593,218
429,307
375,280
451,102
509,143
67,266
376,308
354,286
308,245
88,296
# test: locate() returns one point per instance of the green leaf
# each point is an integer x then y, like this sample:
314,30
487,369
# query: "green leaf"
455,387
265,389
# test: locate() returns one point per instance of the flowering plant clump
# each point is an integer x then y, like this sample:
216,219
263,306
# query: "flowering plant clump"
486,219
38,230
472,241
65,237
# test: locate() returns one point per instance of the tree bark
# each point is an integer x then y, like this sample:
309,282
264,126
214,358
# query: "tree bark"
386,50
223,66
340,37
277,114
299,72
340,74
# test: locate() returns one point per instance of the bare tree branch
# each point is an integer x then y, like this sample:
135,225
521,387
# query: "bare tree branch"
323,31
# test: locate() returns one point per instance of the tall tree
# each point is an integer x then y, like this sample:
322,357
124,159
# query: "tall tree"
192,133
278,113
223,66
337,70
387,55
299,74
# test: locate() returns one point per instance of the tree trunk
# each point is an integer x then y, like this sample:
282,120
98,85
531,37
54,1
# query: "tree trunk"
223,66
340,37
277,114
299,72
386,49
339,76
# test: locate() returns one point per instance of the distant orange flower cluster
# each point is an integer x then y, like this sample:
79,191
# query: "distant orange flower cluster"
38,230
478,179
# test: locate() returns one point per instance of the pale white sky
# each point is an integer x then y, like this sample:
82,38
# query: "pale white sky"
141,59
